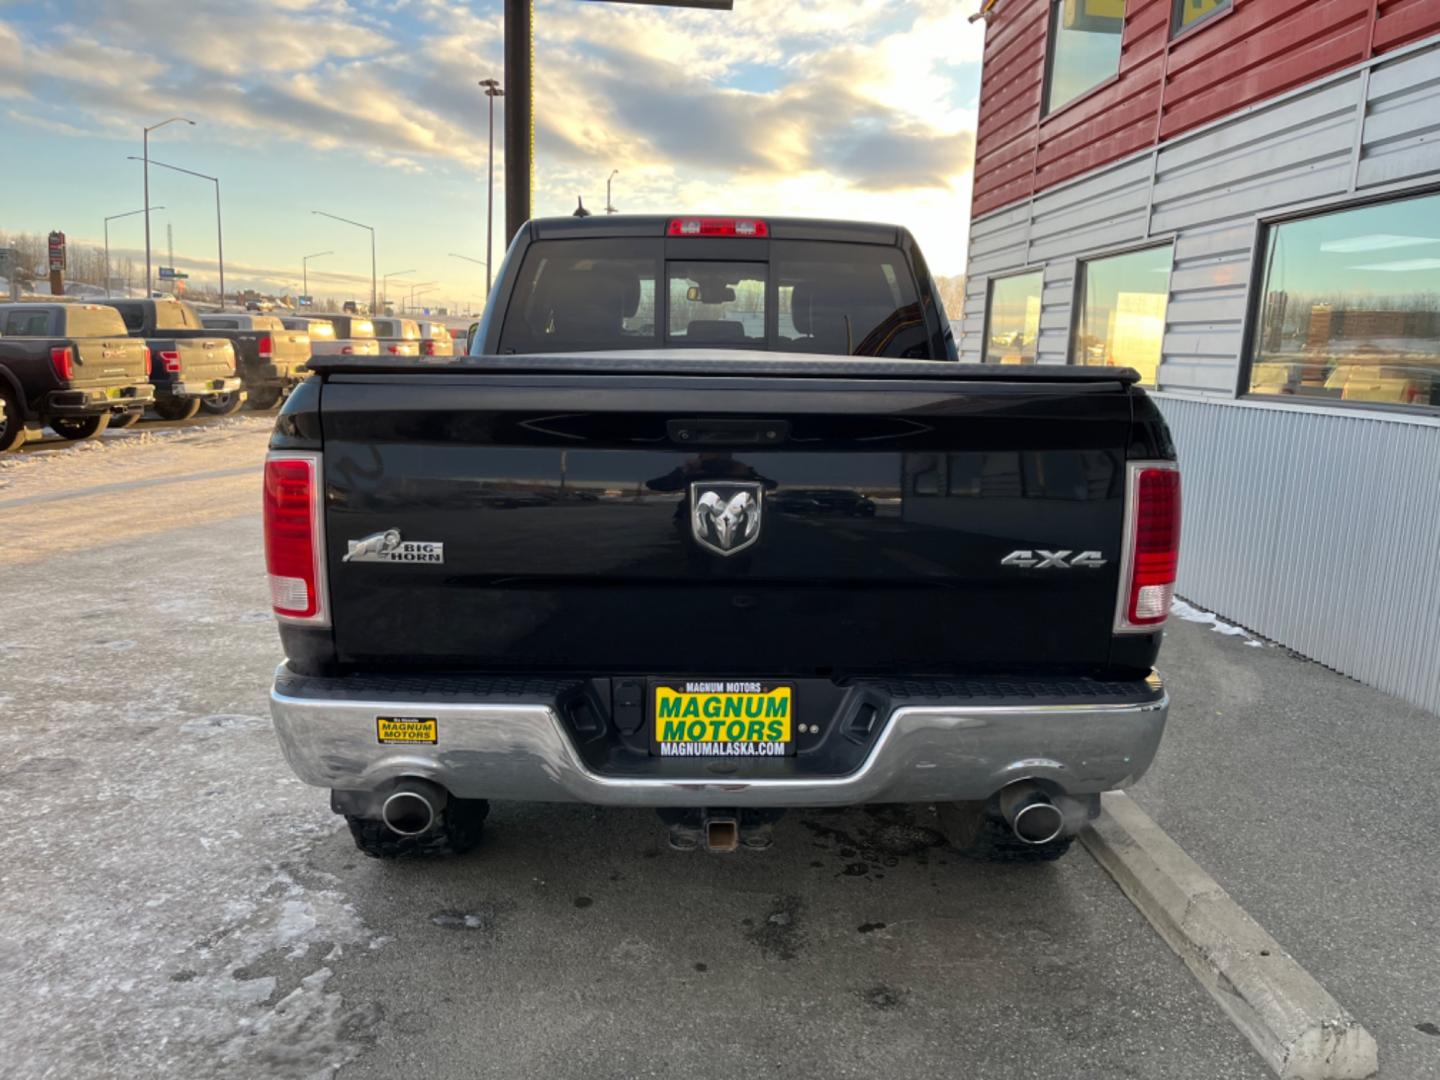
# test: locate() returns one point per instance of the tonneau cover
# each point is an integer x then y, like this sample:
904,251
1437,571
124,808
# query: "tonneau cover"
728,362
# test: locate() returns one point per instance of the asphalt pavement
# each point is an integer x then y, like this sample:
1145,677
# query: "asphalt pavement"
174,904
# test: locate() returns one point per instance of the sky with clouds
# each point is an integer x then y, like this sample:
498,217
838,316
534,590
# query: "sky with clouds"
370,110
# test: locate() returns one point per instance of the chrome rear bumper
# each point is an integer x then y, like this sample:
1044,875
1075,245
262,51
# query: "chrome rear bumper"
925,753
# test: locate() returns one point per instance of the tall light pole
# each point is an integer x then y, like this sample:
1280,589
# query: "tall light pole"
385,292
145,145
305,271
359,225
219,232
492,91
609,206
420,285
520,100
112,217
417,292
467,258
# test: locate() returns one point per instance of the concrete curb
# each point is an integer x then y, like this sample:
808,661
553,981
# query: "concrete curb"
1300,1030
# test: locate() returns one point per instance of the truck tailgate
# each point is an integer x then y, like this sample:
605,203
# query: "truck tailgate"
202,359
109,362
577,534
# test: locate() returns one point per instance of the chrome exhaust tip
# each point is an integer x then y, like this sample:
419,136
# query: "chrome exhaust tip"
413,808
1030,813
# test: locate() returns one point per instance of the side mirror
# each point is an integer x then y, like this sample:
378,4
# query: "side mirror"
470,337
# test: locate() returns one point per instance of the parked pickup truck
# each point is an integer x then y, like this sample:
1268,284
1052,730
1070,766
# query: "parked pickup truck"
587,564
397,337
185,369
435,339
70,366
272,358
336,335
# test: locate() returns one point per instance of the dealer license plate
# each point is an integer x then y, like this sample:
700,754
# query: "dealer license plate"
722,718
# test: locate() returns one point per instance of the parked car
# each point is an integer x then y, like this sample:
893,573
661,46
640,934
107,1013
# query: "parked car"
675,642
69,366
325,334
184,369
435,339
273,358
398,337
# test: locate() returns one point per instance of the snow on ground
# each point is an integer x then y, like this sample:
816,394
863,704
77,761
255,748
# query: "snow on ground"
161,913
1182,610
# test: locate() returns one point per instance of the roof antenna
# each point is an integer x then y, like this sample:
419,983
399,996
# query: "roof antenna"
580,210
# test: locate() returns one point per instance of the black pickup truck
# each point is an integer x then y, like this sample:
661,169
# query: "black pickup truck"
589,562
270,358
70,366
186,369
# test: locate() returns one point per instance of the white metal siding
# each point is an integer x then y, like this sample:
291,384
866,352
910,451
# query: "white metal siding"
1320,530
1316,527
1345,136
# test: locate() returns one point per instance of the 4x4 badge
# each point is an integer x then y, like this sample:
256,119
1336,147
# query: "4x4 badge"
725,517
388,547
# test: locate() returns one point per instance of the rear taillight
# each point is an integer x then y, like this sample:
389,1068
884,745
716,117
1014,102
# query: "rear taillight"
294,538
63,361
1152,546
718,227
171,360
267,347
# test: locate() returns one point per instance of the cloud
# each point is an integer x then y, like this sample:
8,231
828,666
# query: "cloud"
862,106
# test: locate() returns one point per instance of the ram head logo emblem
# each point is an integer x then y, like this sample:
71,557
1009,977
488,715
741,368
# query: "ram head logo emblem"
725,518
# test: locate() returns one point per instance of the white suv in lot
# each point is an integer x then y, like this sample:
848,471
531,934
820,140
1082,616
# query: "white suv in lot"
337,335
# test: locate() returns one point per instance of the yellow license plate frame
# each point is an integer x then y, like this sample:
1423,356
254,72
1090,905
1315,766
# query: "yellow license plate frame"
734,718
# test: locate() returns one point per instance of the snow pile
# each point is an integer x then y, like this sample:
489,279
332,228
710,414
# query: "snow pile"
1181,610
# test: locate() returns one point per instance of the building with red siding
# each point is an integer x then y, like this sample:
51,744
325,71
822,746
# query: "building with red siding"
1241,200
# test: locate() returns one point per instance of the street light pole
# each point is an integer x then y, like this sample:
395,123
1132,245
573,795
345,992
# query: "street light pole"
385,291
492,91
609,206
305,271
359,225
145,144
419,285
219,231
112,217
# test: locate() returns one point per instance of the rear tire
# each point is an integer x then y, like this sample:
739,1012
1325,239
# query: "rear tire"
222,404
977,831
79,428
12,423
125,420
458,831
267,398
177,408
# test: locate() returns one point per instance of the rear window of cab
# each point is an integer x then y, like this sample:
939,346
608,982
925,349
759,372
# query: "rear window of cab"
821,297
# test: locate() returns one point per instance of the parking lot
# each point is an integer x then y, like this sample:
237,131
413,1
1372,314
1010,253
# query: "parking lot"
173,903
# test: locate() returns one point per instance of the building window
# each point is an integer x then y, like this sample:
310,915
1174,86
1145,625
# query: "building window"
1084,48
1350,306
1122,311
1190,12
1012,319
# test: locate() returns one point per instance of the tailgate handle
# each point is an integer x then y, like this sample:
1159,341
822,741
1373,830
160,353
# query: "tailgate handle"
712,432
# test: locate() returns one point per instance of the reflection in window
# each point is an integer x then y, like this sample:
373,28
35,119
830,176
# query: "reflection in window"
846,300
1013,321
1189,12
1084,47
1122,311
1351,306
717,303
